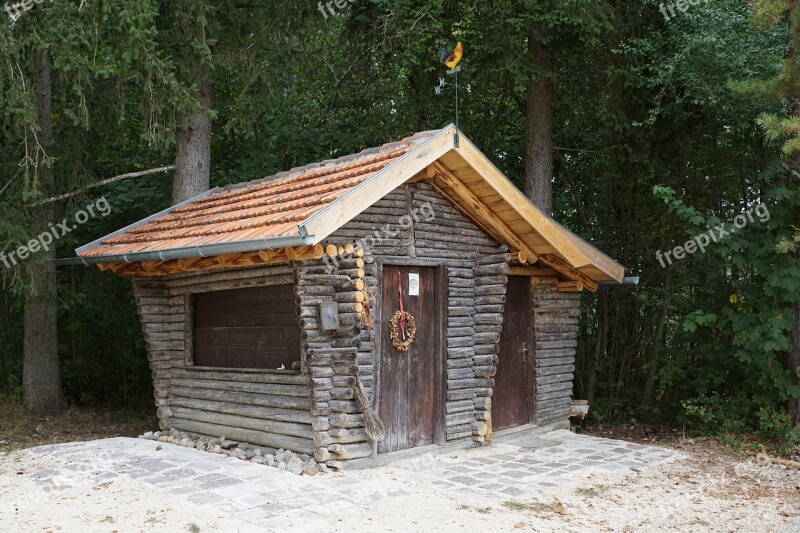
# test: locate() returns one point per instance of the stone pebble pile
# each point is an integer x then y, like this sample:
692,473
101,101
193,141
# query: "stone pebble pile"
300,464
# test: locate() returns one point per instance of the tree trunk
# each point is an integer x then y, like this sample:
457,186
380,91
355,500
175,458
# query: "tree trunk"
539,130
599,346
658,341
794,364
40,373
193,146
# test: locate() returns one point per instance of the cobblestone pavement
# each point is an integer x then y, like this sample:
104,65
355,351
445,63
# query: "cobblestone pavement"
258,495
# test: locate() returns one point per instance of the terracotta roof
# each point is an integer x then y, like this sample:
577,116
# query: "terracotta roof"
269,207
305,205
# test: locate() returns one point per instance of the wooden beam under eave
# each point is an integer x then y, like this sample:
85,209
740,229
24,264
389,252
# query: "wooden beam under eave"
185,264
475,204
562,267
227,258
532,271
570,286
151,266
104,266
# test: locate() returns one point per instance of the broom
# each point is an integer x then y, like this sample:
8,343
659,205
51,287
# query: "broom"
376,431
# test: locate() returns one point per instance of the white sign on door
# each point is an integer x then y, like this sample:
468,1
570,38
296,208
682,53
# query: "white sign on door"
413,284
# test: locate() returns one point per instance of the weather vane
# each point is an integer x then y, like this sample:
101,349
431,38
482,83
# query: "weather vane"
451,60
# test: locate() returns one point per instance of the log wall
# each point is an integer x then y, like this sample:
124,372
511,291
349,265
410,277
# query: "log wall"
555,330
395,231
314,411
268,408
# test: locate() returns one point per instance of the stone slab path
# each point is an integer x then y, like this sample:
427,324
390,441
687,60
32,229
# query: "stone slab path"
257,498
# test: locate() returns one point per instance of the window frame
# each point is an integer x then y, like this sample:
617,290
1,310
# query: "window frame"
189,338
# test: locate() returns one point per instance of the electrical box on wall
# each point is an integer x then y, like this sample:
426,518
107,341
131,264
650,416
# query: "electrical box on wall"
329,316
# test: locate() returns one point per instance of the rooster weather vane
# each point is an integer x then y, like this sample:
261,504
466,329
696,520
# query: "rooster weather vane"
451,60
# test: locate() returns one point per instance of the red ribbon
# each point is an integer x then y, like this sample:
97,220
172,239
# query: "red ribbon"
400,292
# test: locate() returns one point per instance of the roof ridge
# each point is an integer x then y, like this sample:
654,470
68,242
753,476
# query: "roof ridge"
348,158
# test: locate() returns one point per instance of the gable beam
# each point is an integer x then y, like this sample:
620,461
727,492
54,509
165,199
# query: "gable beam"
341,211
479,208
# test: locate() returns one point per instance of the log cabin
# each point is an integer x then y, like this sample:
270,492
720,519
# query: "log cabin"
405,297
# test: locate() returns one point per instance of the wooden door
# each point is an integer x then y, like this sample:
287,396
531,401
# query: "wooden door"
512,403
408,390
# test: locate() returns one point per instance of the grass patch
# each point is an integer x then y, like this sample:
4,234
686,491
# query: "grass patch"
482,510
592,492
536,507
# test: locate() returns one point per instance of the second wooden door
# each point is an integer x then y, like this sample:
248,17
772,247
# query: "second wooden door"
513,390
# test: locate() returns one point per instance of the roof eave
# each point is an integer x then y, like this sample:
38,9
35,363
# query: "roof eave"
206,250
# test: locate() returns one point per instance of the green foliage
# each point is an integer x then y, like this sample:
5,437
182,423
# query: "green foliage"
659,128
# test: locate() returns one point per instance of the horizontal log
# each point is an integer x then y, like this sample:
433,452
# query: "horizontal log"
460,332
488,318
259,424
463,362
460,321
457,352
502,256
461,282
237,386
495,308
562,402
160,327
460,373
552,370
545,345
554,378
554,387
246,398
554,361
159,346
350,451
489,290
460,272
458,419
495,299
460,342
455,384
461,406
347,420
270,440
160,301
266,413
485,372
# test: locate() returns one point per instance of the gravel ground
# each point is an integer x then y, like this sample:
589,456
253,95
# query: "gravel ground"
561,482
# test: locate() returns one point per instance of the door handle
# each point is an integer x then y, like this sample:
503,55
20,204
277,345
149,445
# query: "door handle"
525,352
